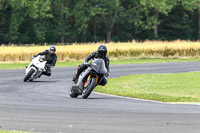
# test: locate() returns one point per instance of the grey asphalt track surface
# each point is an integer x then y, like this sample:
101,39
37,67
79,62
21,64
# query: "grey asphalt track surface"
45,106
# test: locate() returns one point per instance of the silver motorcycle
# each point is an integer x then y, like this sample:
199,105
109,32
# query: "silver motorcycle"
89,79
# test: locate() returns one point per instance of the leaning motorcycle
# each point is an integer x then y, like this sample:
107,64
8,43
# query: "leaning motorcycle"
89,79
35,68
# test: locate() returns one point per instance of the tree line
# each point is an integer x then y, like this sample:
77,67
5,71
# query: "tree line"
68,21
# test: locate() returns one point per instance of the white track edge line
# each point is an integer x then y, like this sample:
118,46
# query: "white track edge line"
146,100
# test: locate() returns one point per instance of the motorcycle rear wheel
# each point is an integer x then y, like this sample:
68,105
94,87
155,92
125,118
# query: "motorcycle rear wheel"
73,94
29,74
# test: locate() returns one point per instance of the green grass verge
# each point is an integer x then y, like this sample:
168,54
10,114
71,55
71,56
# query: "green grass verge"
179,87
112,62
140,61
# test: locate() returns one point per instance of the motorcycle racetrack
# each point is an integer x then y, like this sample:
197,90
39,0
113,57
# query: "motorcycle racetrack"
45,106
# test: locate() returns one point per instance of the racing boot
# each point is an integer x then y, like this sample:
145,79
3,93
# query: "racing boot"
75,78
48,72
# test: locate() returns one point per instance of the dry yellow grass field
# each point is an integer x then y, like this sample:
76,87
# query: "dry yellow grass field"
148,49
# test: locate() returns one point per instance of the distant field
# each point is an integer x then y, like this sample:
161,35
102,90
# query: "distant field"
132,50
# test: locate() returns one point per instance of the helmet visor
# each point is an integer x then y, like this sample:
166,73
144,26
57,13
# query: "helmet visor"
102,53
52,52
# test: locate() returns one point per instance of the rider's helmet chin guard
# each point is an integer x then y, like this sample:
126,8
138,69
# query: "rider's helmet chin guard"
102,50
52,49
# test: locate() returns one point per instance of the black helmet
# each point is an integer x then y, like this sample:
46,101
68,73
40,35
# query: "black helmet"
102,51
52,48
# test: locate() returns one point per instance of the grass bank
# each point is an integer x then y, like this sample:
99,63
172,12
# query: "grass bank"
179,87
17,65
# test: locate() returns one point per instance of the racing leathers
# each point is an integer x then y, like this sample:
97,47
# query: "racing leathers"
51,59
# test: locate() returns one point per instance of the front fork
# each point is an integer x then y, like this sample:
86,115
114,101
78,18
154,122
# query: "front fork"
30,69
89,78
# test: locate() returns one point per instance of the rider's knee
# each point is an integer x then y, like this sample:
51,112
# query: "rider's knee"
103,82
48,74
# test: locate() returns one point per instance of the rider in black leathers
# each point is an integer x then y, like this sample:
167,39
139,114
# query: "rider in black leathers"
50,57
100,53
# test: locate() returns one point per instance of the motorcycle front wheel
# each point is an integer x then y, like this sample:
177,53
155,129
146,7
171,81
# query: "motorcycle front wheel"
29,74
89,88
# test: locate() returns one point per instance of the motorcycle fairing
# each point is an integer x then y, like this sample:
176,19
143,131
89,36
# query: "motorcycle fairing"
99,66
79,84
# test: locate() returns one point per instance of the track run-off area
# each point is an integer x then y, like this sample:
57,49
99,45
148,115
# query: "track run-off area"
45,105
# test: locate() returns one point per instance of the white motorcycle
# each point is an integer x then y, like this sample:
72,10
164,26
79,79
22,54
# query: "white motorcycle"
35,68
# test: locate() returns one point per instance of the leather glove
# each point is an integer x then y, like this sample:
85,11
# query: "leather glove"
34,56
86,63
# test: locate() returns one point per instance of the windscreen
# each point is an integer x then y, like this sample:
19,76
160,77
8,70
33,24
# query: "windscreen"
99,66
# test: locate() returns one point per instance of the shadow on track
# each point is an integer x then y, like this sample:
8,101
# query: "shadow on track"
54,81
96,98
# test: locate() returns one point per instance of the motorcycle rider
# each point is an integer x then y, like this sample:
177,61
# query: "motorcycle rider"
100,53
51,58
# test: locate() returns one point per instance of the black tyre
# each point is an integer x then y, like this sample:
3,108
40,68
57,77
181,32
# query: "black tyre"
87,90
73,94
29,74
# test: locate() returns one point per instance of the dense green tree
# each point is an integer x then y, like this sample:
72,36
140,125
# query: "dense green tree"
87,12
171,29
112,9
59,24
19,12
4,21
126,28
193,5
152,9
67,21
